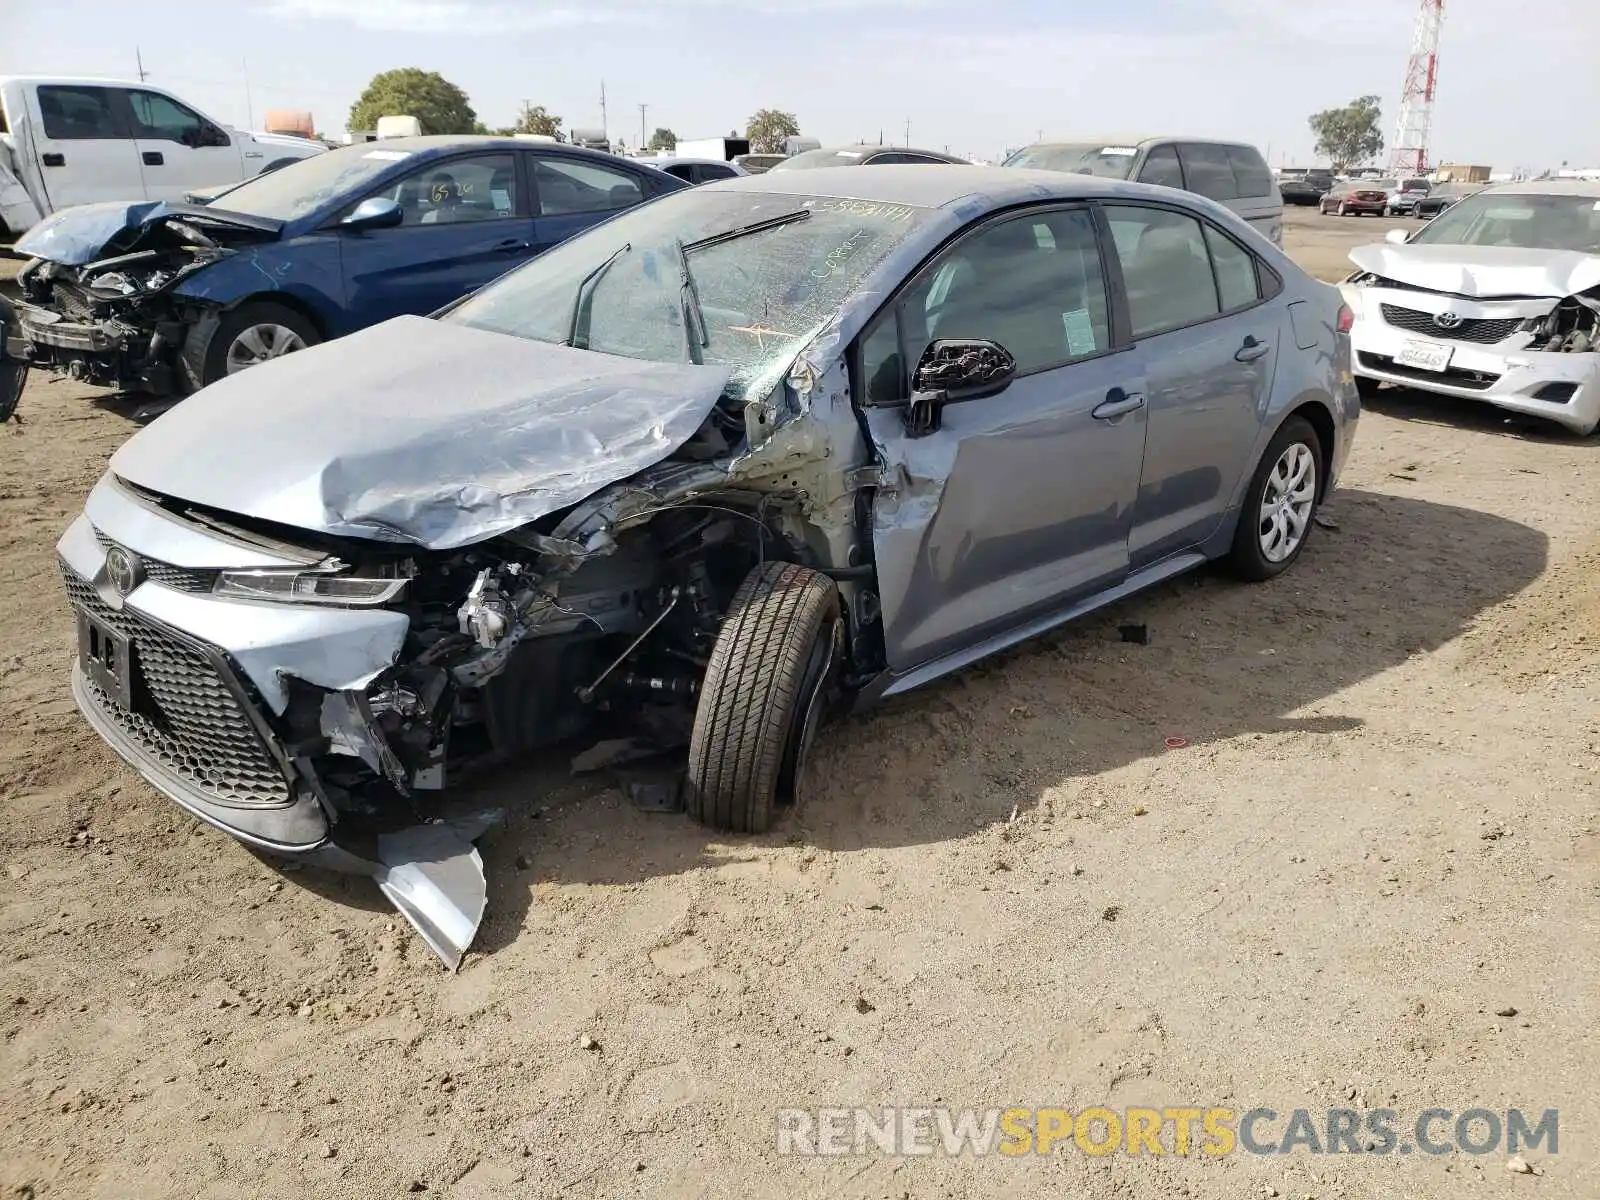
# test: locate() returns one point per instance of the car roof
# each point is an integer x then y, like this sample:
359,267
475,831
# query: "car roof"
865,148
433,145
1137,139
655,160
938,185
1587,188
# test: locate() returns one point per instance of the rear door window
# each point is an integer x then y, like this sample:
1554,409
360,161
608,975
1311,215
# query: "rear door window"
566,187
78,114
1166,268
1161,167
1208,171
1251,175
1235,269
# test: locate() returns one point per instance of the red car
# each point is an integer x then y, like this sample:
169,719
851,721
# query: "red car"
1355,198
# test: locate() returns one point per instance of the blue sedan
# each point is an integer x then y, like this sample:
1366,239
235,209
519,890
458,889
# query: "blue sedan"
168,298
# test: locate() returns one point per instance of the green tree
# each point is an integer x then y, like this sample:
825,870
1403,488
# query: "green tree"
440,105
768,128
663,139
1349,136
534,119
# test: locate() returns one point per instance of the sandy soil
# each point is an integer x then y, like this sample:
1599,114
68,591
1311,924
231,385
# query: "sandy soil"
1383,830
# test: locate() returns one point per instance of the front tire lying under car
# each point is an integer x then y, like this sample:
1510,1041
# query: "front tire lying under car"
762,697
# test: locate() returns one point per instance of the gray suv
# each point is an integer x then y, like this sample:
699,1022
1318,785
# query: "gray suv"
1231,173
695,478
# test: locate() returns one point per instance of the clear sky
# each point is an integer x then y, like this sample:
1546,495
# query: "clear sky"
1516,88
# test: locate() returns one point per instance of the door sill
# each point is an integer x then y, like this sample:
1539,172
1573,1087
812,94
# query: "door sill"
891,684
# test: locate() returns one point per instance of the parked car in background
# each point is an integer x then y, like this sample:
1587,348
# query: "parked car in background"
68,141
1302,190
1353,197
1497,299
1442,195
1404,195
755,164
863,156
170,297
1232,173
674,478
692,170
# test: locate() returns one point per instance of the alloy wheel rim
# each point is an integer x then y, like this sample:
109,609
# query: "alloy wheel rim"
1286,503
258,343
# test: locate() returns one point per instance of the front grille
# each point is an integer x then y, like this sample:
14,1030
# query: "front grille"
182,579
71,301
194,724
1484,330
1476,380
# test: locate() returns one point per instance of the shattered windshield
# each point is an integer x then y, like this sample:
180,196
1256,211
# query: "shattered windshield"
301,188
1530,222
765,271
1090,158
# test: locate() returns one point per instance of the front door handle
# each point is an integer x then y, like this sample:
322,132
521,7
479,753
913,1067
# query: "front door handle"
1118,403
510,247
152,158
1251,350
53,160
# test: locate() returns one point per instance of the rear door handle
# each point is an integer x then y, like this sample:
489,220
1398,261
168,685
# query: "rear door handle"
1251,350
53,160
511,246
152,158
1118,403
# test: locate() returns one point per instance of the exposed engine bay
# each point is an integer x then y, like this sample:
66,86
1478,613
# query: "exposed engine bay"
116,321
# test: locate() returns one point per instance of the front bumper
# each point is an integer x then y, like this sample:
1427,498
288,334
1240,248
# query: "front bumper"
201,716
1563,388
106,353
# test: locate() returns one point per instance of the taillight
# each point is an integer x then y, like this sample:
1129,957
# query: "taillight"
1347,319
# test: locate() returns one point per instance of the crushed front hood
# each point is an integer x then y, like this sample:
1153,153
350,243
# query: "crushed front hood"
75,236
420,431
1482,271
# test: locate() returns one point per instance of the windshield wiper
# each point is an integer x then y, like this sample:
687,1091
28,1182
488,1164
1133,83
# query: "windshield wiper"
583,298
694,321
728,235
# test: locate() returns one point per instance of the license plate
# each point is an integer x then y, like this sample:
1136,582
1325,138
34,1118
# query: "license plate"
1424,356
107,659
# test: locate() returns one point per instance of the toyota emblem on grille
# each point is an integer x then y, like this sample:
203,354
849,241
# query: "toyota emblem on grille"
1447,320
123,570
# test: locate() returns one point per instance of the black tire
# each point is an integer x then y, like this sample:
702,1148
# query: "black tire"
762,697
254,314
1248,558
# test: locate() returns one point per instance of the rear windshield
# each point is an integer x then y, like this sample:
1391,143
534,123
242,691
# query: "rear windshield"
1082,158
819,158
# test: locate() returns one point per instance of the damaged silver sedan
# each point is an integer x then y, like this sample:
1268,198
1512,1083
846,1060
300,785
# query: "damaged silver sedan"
1496,300
695,479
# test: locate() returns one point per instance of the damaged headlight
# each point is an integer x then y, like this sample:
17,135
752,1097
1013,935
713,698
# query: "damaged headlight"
308,587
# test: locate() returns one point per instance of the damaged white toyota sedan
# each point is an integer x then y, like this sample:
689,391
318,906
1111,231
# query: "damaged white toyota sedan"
1497,299
688,479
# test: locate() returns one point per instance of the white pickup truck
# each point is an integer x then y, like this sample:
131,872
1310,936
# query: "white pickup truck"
66,141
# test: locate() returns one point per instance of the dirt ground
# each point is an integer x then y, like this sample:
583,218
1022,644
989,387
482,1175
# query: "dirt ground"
1383,832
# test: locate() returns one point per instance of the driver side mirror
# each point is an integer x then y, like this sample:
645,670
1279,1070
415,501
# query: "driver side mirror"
950,372
375,212
1398,236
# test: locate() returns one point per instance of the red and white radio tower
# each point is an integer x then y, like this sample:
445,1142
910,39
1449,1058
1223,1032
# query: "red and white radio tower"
1410,152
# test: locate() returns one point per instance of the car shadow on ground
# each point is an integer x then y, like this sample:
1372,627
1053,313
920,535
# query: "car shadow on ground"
1419,407
1385,578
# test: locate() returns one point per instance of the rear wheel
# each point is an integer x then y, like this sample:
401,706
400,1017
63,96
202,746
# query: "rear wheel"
1280,503
253,334
763,697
